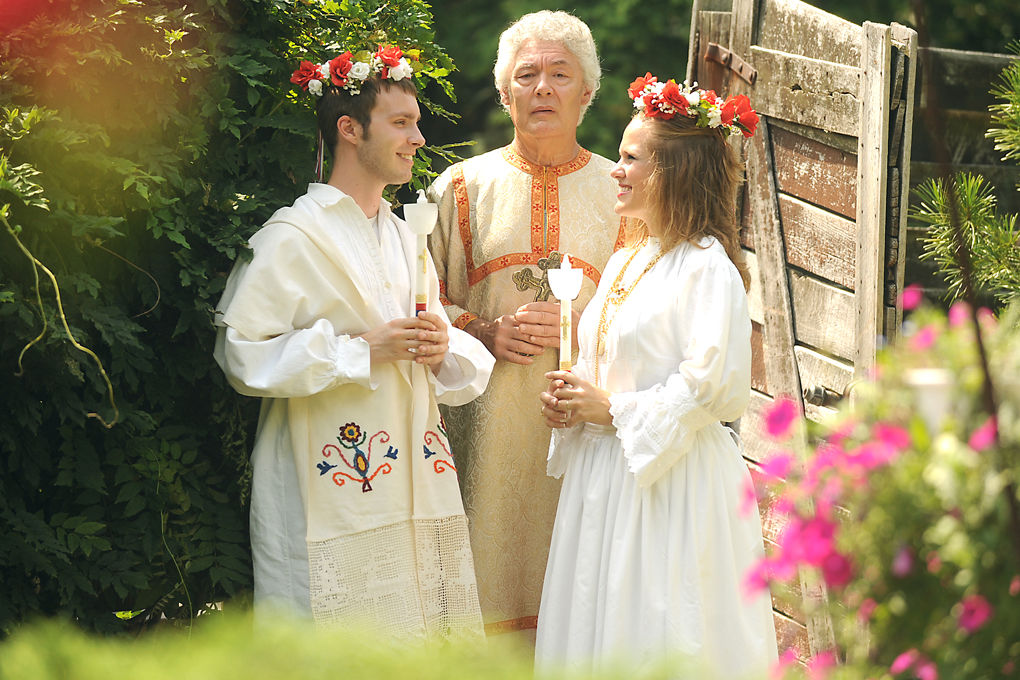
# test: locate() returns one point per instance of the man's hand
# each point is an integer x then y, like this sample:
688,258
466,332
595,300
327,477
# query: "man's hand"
504,340
423,338
540,323
435,343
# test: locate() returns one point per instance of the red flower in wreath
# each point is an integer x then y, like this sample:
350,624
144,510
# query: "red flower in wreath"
306,72
737,111
639,84
672,97
389,55
339,68
351,432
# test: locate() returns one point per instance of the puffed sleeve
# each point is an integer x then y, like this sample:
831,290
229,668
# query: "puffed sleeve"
263,346
447,247
712,382
465,370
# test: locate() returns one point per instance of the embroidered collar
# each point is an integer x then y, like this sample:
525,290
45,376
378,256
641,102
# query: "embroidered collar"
518,161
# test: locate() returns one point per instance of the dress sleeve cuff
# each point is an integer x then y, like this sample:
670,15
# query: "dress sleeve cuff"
652,436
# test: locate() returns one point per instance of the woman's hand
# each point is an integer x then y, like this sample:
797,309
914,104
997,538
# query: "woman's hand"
571,400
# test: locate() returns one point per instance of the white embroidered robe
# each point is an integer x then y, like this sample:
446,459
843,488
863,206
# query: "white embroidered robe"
500,218
356,515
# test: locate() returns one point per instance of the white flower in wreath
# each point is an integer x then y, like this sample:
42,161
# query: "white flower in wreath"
693,98
324,69
401,70
315,87
714,117
359,70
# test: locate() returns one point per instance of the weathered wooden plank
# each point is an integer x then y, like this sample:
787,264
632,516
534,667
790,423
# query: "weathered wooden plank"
792,634
811,92
754,301
815,173
905,40
757,447
963,77
872,169
744,17
823,371
710,27
819,241
823,316
759,379
797,27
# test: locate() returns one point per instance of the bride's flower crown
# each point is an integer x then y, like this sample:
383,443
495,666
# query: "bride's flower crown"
665,100
350,70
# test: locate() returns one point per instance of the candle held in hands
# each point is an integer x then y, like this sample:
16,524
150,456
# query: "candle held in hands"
421,218
566,285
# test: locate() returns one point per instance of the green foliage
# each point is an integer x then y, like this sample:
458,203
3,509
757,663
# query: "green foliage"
992,239
141,143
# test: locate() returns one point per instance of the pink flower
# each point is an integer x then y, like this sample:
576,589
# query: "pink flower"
904,661
893,436
837,569
780,416
903,562
778,465
984,436
976,612
924,338
934,562
926,670
866,609
818,666
757,578
958,314
911,297
1014,586
808,541
787,659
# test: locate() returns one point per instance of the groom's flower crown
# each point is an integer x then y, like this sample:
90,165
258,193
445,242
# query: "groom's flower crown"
665,100
349,70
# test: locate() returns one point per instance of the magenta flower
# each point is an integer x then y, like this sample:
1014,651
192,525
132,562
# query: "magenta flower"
904,661
787,659
911,296
924,338
958,314
976,612
748,497
984,436
892,435
1014,586
866,609
837,569
926,670
903,562
780,416
819,665
778,465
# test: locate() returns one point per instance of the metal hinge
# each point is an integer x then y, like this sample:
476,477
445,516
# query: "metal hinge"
734,62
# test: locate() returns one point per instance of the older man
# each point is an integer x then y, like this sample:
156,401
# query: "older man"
506,217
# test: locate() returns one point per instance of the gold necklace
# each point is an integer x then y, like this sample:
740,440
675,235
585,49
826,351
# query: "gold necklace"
614,300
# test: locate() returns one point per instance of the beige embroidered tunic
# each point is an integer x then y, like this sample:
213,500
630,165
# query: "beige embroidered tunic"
502,223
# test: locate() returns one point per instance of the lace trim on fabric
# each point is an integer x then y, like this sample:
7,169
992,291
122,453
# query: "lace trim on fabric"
414,580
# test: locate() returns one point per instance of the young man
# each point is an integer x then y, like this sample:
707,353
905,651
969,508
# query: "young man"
505,217
355,509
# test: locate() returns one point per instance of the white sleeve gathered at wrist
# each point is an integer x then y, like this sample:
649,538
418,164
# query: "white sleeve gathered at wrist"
657,427
562,443
298,363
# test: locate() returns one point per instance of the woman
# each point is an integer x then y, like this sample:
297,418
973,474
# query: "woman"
649,549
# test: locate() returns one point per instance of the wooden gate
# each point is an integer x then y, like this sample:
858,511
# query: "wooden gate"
823,210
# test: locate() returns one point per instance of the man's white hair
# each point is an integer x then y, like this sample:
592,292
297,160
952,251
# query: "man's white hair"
558,27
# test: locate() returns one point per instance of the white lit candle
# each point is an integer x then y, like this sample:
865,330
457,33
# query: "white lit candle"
421,218
566,285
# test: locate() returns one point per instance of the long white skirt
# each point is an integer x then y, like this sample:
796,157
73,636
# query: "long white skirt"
636,575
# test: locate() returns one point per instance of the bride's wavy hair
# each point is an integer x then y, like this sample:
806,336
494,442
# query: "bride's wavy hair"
693,186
